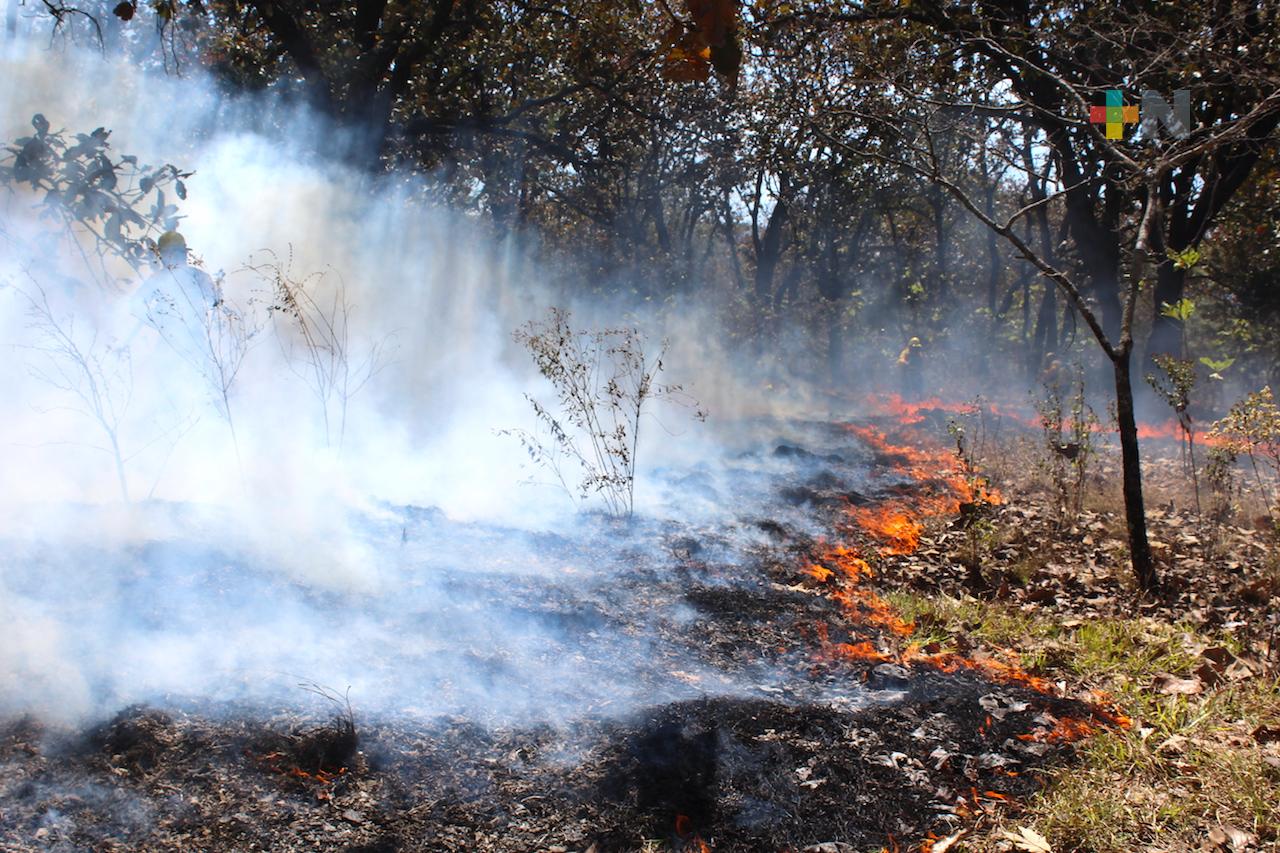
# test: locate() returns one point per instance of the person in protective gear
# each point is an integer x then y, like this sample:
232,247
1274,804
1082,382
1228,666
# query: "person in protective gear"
911,369
172,251
177,300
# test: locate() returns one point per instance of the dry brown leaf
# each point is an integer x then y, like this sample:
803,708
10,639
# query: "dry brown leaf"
1219,656
1233,837
1242,668
1171,685
1208,673
1029,840
1267,734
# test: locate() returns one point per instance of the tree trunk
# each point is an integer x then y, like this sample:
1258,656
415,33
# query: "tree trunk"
1099,248
940,291
731,244
994,268
835,347
770,251
1166,332
1135,515
1046,333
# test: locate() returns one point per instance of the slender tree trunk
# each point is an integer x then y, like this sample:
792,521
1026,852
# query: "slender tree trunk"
1135,515
1166,332
835,346
1025,287
994,268
726,227
1046,333
940,292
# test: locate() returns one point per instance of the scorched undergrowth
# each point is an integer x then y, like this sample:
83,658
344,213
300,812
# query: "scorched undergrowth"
603,380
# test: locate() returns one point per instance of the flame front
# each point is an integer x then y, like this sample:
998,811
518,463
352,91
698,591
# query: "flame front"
939,486
894,524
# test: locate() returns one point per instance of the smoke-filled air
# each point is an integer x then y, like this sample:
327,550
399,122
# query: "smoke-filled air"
693,426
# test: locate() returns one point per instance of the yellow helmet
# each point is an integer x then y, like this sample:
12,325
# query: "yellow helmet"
171,245
914,342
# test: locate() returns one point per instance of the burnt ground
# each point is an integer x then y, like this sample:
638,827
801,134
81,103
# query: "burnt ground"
756,736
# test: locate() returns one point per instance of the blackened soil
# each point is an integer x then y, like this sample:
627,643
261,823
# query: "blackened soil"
740,774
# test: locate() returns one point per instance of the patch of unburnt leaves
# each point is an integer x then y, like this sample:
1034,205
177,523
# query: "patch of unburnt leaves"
1216,574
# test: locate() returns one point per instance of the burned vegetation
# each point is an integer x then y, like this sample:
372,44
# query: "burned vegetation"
776,702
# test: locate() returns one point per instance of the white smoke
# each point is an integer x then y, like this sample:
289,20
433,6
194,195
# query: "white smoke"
248,560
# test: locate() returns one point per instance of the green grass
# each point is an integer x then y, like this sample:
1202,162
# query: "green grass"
1187,765
942,619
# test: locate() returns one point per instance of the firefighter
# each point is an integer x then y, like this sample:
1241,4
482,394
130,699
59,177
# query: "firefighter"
193,285
911,367
177,301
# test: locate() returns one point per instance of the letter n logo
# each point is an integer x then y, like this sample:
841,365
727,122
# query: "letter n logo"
1157,113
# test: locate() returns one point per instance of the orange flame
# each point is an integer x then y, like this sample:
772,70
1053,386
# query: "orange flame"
1065,730
896,526
892,524
911,413
862,651
320,778
990,667
819,573
858,602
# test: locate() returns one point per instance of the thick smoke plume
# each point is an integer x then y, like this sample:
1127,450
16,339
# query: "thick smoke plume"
270,534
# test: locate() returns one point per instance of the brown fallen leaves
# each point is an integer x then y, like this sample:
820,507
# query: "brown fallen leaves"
1218,666
1230,838
1219,576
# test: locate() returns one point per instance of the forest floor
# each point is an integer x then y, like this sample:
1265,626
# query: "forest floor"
931,657
1196,666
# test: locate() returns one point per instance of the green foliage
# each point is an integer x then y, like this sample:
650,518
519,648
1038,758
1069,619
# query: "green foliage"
1180,310
1251,430
1216,365
1185,260
1067,425
121,204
